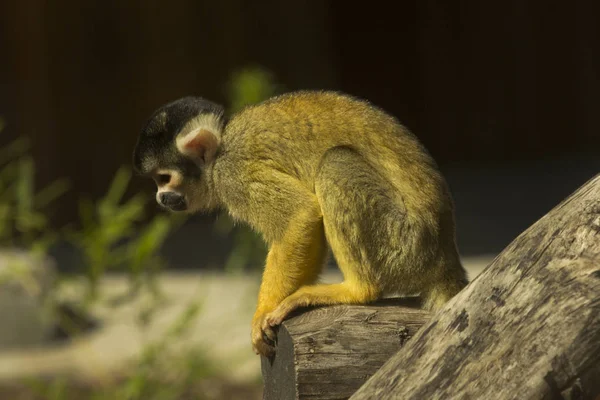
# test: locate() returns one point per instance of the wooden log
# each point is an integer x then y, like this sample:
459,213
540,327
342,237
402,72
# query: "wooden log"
528,327
329,352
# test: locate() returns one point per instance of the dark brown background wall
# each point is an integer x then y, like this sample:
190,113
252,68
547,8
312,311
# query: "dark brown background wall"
480,83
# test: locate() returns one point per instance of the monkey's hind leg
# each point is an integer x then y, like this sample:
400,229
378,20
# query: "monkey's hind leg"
353,196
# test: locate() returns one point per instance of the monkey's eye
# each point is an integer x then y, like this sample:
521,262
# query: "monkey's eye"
163,179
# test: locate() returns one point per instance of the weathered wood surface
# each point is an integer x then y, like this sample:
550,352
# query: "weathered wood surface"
528,327
329,352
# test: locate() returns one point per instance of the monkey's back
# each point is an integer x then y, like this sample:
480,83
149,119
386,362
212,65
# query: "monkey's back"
291,132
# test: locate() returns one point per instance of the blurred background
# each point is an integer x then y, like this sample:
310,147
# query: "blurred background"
105,295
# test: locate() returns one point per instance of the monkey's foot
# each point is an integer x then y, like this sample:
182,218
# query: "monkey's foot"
321,295
277,316
263,336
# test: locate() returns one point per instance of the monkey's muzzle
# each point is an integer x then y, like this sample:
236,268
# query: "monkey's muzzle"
173,201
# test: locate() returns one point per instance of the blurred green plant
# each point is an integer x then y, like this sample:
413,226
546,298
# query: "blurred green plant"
23,212
111,236
247,86
114,235
160,373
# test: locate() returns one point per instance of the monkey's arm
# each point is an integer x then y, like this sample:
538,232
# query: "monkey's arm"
291,220
293,261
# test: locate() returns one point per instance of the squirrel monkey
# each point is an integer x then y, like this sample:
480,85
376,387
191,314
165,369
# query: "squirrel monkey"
310,170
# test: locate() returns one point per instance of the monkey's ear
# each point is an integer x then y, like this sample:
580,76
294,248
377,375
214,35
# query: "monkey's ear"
200,145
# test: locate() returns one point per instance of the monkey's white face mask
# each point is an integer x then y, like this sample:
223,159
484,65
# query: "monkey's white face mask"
175,190
169,192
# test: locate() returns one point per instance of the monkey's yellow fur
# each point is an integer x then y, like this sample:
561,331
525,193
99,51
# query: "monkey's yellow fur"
309,169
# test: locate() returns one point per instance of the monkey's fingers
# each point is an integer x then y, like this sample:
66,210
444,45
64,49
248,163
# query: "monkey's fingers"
263,348
269,334
277,316
263,342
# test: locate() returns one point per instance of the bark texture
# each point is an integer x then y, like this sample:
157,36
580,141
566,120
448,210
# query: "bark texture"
528,327
329,352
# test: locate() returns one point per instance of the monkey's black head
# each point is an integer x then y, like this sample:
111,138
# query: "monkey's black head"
176,145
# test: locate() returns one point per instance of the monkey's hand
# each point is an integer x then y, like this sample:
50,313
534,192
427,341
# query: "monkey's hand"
263,335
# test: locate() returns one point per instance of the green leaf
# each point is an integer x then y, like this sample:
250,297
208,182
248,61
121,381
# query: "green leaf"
24,193
117,188
14,150
184,321
51,192
250,86
148,243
